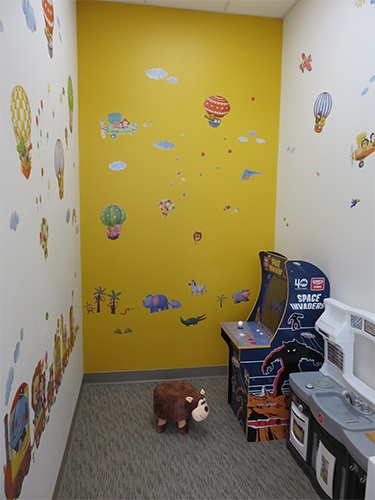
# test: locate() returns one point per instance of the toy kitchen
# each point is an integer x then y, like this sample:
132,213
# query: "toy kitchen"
332,417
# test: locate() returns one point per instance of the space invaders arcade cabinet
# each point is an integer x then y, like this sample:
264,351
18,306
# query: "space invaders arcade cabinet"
278,338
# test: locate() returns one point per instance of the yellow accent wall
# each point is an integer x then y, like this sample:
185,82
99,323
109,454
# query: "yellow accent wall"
200,55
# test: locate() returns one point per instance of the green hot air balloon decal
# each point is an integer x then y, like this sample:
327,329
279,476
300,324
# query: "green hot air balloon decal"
113,216
70,103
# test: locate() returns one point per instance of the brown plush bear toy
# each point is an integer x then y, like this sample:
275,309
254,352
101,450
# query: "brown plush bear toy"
178,401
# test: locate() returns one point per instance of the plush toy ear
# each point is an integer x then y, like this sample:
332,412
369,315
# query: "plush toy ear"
202,392
189,399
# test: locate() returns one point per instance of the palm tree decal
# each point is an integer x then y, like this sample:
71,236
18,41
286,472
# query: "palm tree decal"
98,297
221,299
113,297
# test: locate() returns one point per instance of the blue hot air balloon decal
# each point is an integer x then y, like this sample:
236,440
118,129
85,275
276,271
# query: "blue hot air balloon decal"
322,109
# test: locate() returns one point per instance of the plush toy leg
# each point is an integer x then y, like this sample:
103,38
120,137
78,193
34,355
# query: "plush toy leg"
162,424
182,427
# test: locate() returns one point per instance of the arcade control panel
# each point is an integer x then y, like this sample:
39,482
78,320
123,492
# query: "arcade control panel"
246,334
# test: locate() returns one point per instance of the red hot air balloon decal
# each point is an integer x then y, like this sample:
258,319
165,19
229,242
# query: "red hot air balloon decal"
49,21
216,108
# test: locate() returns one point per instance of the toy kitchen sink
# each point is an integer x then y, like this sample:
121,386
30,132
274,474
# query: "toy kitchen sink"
332,418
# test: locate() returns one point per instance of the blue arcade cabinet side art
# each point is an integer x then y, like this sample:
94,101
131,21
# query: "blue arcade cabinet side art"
278,338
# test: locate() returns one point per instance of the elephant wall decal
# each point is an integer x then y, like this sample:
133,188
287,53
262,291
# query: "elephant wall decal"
155,303
175,304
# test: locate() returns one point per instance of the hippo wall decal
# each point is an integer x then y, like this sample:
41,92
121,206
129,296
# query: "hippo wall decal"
241,296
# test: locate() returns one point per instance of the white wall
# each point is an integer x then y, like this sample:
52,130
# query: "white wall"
317,180
36,292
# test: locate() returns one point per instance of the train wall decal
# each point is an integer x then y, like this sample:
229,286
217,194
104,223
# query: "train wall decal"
31,408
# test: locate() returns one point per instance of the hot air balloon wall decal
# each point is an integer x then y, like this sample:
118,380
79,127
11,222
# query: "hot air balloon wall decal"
216,108
113,216
70,103
49,20
43,236
21,120
59,163
322,109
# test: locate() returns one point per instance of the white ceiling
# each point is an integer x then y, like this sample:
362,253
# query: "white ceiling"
262,8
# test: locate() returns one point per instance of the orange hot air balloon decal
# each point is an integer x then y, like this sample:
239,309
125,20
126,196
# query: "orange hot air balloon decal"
49,19
216,108
21,120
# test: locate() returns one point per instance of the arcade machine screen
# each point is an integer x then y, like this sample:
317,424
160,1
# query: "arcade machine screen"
272,307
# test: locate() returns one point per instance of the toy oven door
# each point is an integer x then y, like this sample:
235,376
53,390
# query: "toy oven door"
299,426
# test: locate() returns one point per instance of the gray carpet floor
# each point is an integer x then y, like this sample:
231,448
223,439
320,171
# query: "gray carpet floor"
117,454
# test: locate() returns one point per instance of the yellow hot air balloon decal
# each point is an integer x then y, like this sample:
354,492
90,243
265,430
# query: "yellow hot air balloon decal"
21,120
49,20
70,102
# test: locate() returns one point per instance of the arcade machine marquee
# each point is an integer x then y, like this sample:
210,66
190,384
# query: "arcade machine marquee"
277,338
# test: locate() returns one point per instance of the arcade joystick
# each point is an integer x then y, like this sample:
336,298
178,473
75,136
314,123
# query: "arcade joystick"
240,325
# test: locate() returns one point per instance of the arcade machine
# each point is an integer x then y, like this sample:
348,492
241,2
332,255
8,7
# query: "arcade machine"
278,338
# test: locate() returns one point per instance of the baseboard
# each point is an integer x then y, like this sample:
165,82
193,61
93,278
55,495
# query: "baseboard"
154,375
60,476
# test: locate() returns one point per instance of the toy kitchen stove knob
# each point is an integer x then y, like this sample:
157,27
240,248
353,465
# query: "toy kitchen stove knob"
366,408
353,468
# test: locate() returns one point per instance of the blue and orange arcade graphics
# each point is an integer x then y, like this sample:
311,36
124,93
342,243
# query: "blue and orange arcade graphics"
278,338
